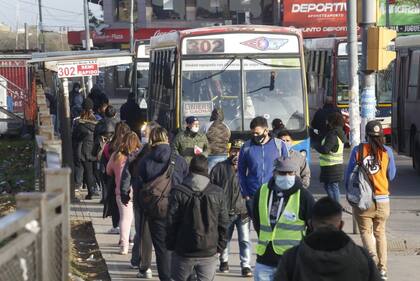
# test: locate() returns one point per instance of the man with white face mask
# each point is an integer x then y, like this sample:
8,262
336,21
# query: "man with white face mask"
191,142
282,209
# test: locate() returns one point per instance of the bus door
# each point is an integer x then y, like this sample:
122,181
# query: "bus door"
400,100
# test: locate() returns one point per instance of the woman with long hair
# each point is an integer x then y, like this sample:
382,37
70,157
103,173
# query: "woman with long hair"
83,136
378,160
109,199
130,144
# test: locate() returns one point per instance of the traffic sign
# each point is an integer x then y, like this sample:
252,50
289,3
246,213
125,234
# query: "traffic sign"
78,68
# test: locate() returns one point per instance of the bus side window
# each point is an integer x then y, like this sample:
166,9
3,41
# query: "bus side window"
413,80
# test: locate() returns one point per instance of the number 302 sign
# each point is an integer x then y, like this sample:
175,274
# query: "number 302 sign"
78,69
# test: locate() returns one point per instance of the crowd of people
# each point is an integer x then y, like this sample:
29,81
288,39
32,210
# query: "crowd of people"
186,194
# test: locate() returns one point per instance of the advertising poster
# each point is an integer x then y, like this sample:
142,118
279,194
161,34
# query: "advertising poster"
404,18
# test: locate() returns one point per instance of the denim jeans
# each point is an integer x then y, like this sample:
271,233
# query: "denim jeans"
214,159
333,190
264,272
243,240
182,267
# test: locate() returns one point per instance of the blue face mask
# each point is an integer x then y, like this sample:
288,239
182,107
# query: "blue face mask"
284,182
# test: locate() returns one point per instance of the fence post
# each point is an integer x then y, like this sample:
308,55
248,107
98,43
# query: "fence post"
58,181
29,201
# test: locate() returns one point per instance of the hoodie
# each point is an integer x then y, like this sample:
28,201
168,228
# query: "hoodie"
333,173
218,135
328,255
197,218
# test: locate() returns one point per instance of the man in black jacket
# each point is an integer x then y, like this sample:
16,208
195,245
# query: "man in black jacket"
282,209
224,174
318,124
197,224
130,111
327,253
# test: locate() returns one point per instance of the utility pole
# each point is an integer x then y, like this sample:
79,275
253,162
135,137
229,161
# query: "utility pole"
352,49
41,28
87,37
368,100
26,37
132,26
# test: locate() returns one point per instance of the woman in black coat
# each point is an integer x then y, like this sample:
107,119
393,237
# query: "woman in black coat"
83,136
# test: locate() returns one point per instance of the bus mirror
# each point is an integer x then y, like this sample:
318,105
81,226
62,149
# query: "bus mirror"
272,81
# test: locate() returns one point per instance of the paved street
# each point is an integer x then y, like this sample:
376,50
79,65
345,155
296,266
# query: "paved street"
403,229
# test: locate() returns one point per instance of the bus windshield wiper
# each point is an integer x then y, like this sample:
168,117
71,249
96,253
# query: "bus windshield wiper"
216,73
269,64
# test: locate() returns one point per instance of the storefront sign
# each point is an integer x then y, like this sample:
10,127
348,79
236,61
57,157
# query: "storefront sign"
316,18
198,108
402,18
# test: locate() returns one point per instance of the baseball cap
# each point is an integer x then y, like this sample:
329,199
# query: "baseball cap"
237,143
285,165
374,128
191,119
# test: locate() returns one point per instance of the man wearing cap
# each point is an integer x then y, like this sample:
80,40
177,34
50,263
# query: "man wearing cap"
378,160
191,142
224,174
282,209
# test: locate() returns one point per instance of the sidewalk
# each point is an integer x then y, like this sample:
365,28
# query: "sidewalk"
118,265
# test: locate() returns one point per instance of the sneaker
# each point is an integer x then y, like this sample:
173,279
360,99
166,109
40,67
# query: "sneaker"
384,276
146,274
246,272
133,266
224,267
114,230
123,250
131,242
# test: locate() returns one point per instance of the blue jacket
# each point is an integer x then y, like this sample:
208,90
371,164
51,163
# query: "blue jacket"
256,163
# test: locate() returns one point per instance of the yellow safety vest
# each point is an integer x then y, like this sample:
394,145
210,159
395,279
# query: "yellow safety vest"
332,158
289,229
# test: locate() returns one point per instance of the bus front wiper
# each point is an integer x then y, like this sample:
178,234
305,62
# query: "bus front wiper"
271,65
217,73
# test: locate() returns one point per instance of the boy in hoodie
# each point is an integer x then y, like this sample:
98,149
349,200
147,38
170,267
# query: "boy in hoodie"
327,253
331,156
197,224
282,209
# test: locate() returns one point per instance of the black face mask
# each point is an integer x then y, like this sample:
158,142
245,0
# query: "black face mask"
259,139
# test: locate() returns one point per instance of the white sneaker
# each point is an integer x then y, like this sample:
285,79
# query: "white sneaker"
145,274
114,230
384,276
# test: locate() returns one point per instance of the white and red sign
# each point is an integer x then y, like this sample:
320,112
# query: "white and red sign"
316,18
78,68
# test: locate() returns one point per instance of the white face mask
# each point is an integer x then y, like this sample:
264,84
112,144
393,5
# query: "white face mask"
144,140
195,129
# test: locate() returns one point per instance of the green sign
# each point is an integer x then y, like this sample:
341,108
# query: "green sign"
404,18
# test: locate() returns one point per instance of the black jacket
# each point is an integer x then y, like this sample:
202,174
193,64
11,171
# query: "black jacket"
327,255
319,121
130,113
307,201
333,173
104,128
179,226
225,176
156,163
83,136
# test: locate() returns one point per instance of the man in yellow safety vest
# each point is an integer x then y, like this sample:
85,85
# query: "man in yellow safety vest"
282,209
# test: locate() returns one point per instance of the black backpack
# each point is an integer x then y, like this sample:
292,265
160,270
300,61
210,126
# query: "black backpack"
154,195
199,223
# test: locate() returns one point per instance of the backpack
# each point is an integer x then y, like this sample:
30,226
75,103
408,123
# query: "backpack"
360,188
154,195
199,222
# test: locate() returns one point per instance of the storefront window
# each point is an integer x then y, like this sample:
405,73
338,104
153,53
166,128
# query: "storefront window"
168,9
122,10
212,9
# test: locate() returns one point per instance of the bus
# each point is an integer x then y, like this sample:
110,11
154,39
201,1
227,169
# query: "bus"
327,74
406,99
247,71
140,67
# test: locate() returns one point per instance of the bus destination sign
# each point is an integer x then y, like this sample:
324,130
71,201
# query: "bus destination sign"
205,46
198,108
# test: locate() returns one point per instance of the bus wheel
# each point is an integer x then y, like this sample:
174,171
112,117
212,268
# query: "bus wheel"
416,156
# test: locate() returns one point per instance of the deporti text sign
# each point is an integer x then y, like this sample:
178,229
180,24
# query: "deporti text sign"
78,68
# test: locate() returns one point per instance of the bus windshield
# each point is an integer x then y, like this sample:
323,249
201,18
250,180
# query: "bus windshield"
272,88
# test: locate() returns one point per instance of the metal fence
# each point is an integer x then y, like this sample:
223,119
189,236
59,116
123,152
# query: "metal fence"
34,240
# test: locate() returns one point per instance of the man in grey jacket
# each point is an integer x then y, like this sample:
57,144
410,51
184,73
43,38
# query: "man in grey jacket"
303,167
